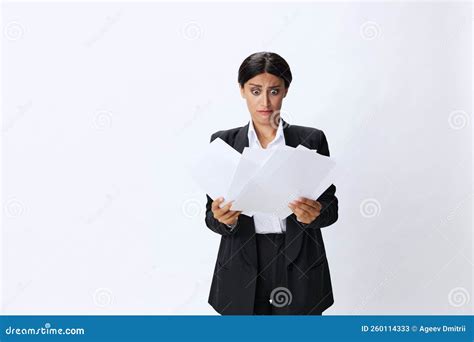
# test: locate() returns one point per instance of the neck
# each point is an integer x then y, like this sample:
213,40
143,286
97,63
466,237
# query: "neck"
265,133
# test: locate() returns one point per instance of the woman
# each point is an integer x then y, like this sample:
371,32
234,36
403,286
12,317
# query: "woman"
268,266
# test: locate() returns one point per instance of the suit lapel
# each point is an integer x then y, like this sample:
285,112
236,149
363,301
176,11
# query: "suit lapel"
242,139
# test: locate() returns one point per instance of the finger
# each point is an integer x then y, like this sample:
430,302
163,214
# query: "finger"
231,219
216,202
223,215
310,202
292,207
309,209
235,213
300,213
221,211
303,207
297,211
230,215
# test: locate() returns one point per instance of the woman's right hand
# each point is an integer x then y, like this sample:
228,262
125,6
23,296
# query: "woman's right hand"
224,214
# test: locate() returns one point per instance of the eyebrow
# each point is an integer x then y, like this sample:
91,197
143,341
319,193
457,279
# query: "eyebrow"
258,85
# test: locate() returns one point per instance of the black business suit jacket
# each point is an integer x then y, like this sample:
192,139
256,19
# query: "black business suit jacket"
233,284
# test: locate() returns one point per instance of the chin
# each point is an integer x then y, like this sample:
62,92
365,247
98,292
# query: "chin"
261,119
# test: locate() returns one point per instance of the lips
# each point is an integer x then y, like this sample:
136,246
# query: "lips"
265,112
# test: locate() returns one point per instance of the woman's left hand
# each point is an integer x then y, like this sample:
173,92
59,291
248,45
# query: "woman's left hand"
305,209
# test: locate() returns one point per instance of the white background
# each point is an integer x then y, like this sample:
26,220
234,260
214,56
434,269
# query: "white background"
104,104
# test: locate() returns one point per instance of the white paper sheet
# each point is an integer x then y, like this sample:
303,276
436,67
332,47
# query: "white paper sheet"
214,169
284,177
250,163
263,180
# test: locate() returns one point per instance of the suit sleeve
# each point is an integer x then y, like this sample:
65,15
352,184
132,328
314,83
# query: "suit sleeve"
216,226
211,222
328,200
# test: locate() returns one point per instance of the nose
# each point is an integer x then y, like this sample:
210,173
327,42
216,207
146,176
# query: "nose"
266,100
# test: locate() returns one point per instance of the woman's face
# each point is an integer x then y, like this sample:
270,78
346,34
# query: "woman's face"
264,94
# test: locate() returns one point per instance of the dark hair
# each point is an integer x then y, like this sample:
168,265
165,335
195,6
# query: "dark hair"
261,62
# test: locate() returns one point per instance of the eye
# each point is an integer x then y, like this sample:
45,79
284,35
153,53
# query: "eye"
255,91
274,91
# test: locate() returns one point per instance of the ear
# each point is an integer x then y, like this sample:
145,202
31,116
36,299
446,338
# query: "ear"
241,91
286,92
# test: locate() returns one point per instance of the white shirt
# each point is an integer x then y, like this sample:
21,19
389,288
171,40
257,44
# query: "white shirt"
267,223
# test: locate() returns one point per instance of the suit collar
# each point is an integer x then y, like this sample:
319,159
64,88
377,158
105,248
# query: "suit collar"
253,138
242,139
